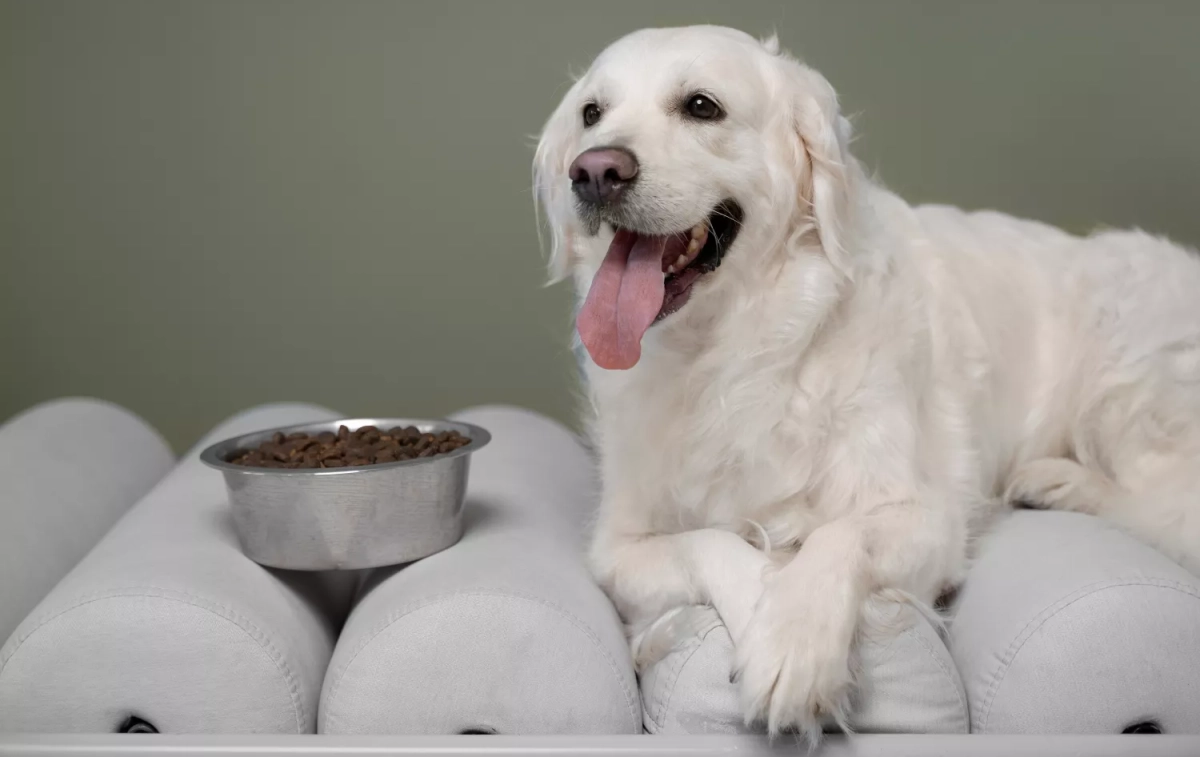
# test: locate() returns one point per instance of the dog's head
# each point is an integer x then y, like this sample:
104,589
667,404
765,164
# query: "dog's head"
679,152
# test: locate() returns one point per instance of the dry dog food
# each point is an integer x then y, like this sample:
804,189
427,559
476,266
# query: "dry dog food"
365,446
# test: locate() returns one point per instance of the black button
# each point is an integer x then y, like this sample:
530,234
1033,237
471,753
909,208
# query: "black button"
134,724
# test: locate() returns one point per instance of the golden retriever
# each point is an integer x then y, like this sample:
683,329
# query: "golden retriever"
810,397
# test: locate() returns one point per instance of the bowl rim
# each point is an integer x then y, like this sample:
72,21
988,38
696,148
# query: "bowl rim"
213,455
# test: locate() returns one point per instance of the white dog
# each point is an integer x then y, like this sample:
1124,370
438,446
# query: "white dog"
810,397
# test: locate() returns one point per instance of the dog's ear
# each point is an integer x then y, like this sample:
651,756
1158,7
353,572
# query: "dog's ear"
551,189
829,177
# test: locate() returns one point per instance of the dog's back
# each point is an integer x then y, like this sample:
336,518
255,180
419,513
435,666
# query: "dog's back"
1098,337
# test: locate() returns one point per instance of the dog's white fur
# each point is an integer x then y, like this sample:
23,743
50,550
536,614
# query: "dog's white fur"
862,386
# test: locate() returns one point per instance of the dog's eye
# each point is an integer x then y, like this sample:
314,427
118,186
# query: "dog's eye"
591,114
702,107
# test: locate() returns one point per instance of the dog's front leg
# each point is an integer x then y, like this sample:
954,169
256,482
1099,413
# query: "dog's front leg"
794,661
650,575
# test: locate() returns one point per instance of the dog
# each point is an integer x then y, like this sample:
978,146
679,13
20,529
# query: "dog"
808,398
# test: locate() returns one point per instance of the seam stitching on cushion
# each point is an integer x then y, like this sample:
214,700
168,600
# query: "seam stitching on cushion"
634,712
950,677
658,704
1018,642
216,608
675,671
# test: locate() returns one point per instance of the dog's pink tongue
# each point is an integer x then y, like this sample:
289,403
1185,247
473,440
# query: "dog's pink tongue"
625,298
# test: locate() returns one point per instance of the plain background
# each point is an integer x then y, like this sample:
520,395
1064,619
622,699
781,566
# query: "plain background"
212,204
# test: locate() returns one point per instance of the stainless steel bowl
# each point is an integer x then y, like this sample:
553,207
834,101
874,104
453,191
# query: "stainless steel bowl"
346,518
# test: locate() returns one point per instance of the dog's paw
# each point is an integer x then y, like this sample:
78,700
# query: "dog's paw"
669,632
1055,483
793,664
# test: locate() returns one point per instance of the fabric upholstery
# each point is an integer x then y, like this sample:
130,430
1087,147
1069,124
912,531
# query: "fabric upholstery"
69,469
503,632
167,620
1065,625
907,684
1068,625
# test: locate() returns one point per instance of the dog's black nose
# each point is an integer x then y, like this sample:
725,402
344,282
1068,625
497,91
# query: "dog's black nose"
600,174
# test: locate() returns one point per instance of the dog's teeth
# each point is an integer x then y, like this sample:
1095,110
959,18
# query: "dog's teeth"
693,247
697,230
681,261
671,269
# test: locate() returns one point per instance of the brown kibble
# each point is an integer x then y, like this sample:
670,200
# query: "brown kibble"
361,447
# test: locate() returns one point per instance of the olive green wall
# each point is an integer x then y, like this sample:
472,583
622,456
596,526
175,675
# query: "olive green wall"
207,205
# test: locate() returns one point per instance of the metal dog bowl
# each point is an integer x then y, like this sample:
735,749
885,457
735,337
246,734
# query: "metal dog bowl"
354,517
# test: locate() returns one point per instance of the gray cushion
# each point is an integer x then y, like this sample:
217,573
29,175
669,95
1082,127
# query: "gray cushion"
1068,625
503,632
166,619
907,684
68,469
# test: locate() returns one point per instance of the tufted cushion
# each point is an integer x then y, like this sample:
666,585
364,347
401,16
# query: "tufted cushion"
505,632
167,620
1068,625
907,684
68,470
